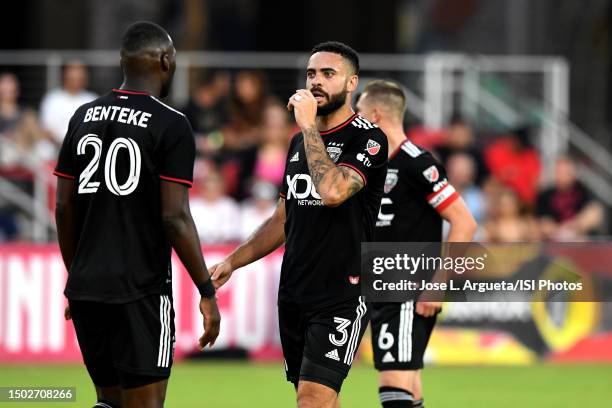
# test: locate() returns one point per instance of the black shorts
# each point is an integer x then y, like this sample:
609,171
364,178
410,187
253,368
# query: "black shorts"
319,345
129,344
399,336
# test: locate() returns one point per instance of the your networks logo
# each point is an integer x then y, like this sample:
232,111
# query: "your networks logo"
301,188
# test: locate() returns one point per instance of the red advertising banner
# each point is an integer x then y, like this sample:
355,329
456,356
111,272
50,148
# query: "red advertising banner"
32,326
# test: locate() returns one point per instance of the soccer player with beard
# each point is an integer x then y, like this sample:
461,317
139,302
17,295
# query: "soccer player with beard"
417,198
333,183
124,171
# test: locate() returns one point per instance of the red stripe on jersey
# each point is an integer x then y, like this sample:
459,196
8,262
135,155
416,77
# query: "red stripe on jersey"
67,176
176,180
444,204
340,126
282,195
365,181
130,92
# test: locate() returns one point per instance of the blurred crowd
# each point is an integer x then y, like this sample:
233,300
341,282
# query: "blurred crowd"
242,134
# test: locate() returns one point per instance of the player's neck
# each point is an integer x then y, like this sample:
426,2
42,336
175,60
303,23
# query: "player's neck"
141,85
395,135
335,118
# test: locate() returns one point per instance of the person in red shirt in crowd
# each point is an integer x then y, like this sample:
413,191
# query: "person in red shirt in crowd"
567,211
516,164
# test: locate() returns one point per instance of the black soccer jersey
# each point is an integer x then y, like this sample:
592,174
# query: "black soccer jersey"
117,149
416,191
323,244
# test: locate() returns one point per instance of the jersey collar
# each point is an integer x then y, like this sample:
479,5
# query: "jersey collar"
126,91
340,126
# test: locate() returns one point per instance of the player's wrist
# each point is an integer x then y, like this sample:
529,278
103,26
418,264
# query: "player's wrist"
206,289
310,127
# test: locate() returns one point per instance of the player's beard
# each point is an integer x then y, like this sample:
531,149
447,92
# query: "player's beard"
334,103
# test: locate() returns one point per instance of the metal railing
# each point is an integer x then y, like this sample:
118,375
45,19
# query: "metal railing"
443,77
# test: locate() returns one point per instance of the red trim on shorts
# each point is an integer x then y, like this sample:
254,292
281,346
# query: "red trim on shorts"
444,204
365,181
340,126
176,180
67,176
130,92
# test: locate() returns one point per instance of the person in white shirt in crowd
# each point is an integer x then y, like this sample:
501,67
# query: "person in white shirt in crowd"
216,216
258,208
58,105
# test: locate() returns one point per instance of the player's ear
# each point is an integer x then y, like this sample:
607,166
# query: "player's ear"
353,81
165,62
376,115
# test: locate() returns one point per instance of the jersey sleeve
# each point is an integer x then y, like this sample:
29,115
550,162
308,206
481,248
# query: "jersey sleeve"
432,183
66,166
177,155
284,185
368,153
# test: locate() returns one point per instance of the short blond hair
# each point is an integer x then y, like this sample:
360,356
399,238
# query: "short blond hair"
387,93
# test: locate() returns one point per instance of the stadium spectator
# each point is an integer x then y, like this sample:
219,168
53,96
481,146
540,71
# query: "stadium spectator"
10,111
461,170
276,133
459,138
58,105
19,126
207,110
508,221
516,164
567,211
258,208
242,136
247,105
216,216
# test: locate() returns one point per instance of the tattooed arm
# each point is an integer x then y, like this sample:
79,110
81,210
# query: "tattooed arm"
335,184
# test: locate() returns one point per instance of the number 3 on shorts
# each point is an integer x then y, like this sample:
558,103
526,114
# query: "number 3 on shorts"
342,324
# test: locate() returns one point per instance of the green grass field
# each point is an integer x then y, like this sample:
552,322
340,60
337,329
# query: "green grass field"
228,385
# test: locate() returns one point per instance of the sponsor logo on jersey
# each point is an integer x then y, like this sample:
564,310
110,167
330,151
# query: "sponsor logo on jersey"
296,157
334,153
391,180
333,355
372,147
363,158
439,185
388,358
301,188
431,173
354,280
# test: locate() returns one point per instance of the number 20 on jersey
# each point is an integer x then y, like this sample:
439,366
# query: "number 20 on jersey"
86,186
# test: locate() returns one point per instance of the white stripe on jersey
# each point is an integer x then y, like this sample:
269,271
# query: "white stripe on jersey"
404,347
411,149
163,356
363,123
400,332
169,107
351,348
